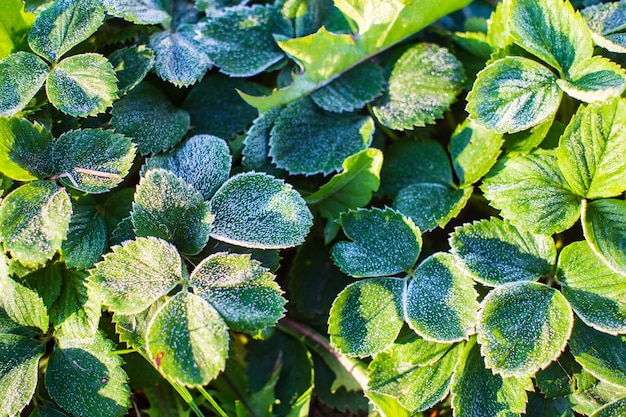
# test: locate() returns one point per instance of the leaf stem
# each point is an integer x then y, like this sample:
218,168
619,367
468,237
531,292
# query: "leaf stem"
122,351
211,400
186,396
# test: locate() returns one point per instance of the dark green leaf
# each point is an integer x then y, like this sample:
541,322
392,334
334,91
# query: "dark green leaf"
563,377
21,76
604,226
76,311
256,145
21,305
131,65
474,150
25,150
86,238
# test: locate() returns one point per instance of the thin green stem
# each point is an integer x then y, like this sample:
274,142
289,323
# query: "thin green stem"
122,351
212,401
186,396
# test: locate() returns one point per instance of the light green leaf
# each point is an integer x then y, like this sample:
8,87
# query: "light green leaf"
143,12
131,65
167,207
513,94
366,317
590,152
440,303
498,32
132,328
21,76
255,210
21,305
76,311
424,82
522,327
241,290
35,219
474,150
188,340
86,238
532,193
596,79
136,274
594,396
25,150
87,380
149,119
388,405
604,226
613,409
82,85
496,252
14,26
607,23
384,242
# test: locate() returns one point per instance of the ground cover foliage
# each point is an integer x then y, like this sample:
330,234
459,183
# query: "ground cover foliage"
350,207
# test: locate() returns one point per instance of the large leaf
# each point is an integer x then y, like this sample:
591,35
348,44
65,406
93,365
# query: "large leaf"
131,66
21,76
21,305
14,26
25,150
606,23
86,238
604,225
143,12
474,150
596,79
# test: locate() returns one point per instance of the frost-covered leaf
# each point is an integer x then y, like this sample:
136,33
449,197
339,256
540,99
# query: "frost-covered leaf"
21,305
255,210
15,23
532,193
597,294
63,25
167,207
256,145
202,161
513,94
613,409
474,150
187,340
308,140
366,317
384,242
87,380
86,238
440,302
34,220
76,311
596,79
82,85
21,76
401,372
424,82
92,160
136,274
25,149
607,23
143,12
131,65
604,226
590,152
149,119
594,396
240,289
496,252
522,327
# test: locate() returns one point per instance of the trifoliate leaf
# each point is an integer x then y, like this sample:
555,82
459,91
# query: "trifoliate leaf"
424,82
187,340
522,327
597,294
92,160
401,370
308,140
143,12
240,289
63,25
131,65
137,273
25,149
86,238
21,305
168,208
532,193
551,30
149,119
21,76
82,85
596,79
34,220
590,152
607,22
496,252
613,409
14,26
384,242
474,150
255,210
366,317
604,225
202,161
513,94
85,379
440,303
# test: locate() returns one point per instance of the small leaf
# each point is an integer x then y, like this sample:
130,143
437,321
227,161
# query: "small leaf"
563,377
76,311
606,23
143,12
25,150
522,327
21,305
86,238
604,226
474,150
131,66
255,210
366,317
615,408
21,76
387,405
596,79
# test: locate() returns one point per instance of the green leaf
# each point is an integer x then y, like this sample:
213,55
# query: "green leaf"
131,66
76,311
132,328
136,274
143,12
604,226
496,252
92,160
168,208
47,281
474,150
21,76
48,409
188,340
307,140
388,405
589,152
86,238
87,380
498,32
597,294
596,79
366,317
21,305
202,161
384,242
440,303
25,150
241,290
256,145
532,193
255,210
522,327
147,116
82,85
35,219
14,26
563,377
424,82
606,23
595,396
615,408
513,94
